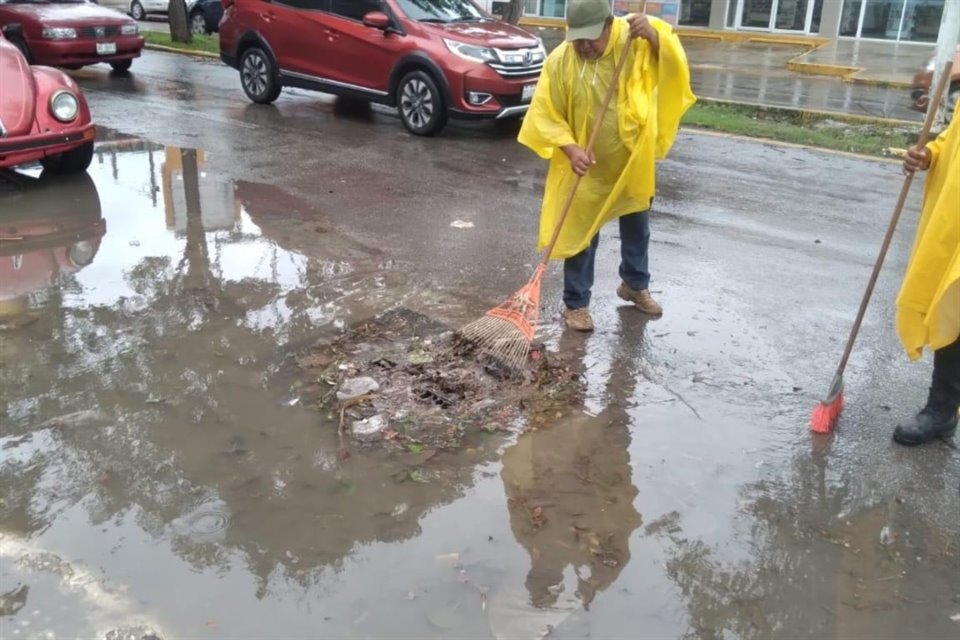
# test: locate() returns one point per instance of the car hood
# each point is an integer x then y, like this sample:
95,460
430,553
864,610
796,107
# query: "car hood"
489,34
18,97
68,14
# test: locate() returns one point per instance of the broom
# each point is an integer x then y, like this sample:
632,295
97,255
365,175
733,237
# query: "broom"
826,413
505,332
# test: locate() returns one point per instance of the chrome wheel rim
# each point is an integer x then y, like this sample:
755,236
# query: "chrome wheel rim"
254,74
198,25
416,103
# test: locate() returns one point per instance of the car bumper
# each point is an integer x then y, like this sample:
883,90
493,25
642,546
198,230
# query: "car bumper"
66,53
23,149
503,97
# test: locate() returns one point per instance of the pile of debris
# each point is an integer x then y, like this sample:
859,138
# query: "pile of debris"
402,378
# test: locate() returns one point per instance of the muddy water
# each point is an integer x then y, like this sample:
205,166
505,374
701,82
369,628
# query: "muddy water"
161,476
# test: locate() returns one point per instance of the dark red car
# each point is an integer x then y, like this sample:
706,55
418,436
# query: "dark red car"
43,115
72,33
431,59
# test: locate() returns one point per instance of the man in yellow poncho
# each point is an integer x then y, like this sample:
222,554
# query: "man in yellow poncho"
652,95
928,307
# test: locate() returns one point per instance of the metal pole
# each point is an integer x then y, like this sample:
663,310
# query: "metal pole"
946,47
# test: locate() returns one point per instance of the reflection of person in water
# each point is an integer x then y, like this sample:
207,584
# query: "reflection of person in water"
578,473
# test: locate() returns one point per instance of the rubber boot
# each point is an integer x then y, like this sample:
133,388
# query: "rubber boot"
936,420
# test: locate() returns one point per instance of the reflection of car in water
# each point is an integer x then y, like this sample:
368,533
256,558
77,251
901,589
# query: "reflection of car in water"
40,238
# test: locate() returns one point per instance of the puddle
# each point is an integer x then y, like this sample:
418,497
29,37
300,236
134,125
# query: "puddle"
170,337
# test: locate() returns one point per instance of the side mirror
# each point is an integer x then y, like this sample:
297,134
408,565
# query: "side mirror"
377,20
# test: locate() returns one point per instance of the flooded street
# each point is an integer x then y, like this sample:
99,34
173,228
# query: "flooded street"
169,468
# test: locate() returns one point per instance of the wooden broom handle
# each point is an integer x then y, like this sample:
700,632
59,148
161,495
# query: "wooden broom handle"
904,190
593,138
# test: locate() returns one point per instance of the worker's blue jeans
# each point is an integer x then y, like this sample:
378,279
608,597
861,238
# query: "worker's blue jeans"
634,242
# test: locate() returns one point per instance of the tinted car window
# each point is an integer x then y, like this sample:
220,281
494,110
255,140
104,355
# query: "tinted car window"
354,9
311,5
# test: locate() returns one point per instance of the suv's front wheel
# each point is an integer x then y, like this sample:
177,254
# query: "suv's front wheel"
258,75
420,104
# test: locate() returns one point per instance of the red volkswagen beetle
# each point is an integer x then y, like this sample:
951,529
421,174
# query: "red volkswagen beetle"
43,116
72,33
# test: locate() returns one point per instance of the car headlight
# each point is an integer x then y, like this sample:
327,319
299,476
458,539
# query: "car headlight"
130,29
81,253
471,51
64,106
59,33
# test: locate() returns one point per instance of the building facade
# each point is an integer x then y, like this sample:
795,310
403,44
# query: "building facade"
896,20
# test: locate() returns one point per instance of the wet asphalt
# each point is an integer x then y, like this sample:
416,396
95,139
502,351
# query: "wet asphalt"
159,477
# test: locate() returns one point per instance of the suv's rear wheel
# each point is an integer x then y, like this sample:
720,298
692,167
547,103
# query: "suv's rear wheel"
258,75
420,104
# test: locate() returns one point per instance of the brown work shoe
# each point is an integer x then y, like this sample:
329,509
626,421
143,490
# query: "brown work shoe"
578,319
642,300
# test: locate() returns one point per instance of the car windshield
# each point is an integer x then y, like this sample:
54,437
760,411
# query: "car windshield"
441,10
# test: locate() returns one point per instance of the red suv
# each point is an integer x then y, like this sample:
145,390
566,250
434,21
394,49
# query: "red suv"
431,59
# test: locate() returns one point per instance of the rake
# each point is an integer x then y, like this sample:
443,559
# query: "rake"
505,332
827,412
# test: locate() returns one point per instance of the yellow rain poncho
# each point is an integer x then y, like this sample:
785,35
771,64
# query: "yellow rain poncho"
928,307
640,127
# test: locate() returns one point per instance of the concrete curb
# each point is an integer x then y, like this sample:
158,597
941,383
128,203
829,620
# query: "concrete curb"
184,52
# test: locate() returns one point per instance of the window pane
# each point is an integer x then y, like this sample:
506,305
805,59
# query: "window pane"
756,13
695,13
850,17
732,13
922,21
882,19
554,8
354,9
791,15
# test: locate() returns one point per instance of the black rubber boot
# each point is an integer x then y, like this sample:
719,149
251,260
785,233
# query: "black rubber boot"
934,421
939,418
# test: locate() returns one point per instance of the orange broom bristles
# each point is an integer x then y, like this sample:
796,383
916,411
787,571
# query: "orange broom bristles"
825,415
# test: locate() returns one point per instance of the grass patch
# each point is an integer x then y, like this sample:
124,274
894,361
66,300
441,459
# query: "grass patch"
209,44
815,130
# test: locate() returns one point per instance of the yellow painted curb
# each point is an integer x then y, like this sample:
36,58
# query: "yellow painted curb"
820,69
187,52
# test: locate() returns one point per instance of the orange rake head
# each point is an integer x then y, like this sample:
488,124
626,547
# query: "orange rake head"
506,331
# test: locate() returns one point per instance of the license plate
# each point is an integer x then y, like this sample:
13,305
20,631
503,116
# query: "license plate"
528,92
106,48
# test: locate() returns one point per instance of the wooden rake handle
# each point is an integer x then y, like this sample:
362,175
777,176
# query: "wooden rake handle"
904,191
601,114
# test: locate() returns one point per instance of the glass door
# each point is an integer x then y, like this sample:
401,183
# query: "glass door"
777,15
756,14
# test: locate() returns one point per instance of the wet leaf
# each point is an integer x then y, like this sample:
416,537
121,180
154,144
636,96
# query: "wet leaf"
537,519
415,447
390,434
417,475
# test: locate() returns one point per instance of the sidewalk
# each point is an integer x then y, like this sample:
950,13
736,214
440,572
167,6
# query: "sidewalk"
855,78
